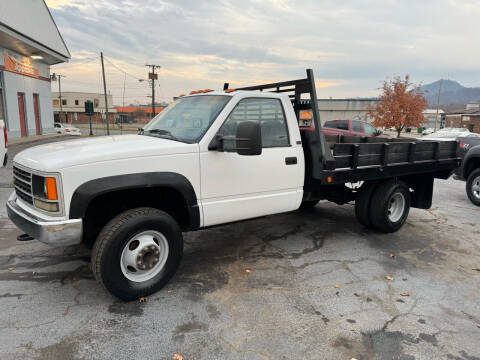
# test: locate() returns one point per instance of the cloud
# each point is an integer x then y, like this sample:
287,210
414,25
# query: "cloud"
351,45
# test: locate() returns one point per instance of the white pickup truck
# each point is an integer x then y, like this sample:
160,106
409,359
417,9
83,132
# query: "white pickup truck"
3,144
210,158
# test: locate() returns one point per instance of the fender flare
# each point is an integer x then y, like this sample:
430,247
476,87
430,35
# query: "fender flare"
89,190
473,153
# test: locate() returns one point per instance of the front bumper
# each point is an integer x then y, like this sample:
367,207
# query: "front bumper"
54,233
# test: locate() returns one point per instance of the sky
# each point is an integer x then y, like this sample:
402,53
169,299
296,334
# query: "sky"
352,45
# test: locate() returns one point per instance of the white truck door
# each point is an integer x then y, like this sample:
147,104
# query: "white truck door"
236,187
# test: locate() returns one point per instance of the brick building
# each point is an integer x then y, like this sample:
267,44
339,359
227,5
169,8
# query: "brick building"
469,119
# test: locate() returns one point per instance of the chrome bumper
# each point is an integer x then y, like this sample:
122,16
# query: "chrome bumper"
54,233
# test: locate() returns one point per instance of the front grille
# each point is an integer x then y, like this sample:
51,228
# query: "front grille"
22,181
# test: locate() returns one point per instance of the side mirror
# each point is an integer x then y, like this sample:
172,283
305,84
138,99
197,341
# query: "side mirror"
249,138
378,132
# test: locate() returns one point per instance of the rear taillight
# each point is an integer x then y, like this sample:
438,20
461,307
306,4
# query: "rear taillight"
67,130
5,136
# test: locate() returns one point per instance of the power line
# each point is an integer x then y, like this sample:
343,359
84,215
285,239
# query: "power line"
120,69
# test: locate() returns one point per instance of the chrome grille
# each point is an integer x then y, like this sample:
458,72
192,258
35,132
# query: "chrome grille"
22,181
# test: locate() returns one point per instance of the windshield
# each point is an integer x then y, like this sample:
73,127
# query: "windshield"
186,119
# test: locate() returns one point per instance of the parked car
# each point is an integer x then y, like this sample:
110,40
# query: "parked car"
3,144
210,158
351,128
469,150
428,131
449,134
67,129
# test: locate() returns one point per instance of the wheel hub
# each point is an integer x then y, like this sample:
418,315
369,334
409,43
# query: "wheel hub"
476,187
396,207
144,256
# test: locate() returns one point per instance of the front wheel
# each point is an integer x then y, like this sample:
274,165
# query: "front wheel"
473,187
137,253
389,206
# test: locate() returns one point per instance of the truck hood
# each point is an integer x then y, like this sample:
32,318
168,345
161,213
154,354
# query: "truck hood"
59,155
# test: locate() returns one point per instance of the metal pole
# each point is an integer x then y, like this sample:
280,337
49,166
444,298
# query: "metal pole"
91,132
60,92
153,92
438,103
105,92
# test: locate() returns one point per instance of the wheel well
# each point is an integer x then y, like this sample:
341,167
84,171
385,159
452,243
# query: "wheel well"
472,164
103,208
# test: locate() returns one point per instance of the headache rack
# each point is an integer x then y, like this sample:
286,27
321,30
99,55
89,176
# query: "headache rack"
334,159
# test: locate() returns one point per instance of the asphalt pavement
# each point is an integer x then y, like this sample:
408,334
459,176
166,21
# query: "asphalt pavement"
313,285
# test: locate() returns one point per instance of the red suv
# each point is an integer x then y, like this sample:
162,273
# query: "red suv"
350,127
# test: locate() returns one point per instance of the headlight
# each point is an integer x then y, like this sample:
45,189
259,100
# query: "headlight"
45,193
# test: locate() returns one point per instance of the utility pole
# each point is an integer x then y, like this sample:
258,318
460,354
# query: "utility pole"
105,92
438,103
54,77
153,76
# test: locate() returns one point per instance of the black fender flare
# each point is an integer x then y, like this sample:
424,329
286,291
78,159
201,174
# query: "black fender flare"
89,190
473,153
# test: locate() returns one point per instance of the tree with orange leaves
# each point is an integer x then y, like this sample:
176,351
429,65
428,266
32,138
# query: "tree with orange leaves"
401,105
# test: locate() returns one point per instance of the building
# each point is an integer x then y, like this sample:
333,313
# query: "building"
433,119
473,105
469,119
353,109
70,108
29,44
135,114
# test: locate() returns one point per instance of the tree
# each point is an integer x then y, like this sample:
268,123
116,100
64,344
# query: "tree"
401,105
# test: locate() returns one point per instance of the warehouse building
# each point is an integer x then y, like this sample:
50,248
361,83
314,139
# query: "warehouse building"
353,109
69,107
29,44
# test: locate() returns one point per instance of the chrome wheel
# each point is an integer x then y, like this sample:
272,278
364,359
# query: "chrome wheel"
396,207
476,187
144,256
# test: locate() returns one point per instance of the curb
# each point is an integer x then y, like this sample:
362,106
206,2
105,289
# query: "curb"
33,139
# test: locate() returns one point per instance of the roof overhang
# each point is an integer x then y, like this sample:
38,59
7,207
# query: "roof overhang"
26,46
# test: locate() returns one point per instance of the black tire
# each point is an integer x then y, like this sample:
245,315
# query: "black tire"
362,203
308,205
380,203
113,238
473,181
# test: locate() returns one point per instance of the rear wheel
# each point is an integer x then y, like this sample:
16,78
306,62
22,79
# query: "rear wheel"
389,206
137,253
473,187
362,203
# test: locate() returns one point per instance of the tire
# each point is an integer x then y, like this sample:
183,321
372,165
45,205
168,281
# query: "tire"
390,194
473,187
308,205
362,204
115,249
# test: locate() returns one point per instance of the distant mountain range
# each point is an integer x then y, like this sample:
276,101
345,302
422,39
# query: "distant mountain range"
452,93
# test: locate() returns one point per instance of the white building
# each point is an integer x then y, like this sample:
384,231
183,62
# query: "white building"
29,44
70,107
433,119
351,109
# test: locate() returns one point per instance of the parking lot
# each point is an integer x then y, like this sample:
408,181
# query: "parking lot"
303,285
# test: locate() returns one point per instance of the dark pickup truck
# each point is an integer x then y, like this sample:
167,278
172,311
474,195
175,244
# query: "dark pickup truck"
469,151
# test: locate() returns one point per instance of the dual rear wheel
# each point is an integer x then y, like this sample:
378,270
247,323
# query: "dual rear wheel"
383,206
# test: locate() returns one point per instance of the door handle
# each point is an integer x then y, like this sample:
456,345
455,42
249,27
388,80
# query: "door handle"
291,160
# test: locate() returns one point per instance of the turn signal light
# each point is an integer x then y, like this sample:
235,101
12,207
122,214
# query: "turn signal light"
51,188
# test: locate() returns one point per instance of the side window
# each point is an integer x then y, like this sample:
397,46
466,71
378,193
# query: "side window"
337,124
268,112
356,126
369,129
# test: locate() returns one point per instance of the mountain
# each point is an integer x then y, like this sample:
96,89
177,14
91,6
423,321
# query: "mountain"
452,93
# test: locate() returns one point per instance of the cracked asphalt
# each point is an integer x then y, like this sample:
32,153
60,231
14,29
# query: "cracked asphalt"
291,286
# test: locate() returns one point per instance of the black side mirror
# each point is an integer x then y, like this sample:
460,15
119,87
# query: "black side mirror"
249,138
378,132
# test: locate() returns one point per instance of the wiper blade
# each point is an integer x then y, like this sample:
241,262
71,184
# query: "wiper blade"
161,132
